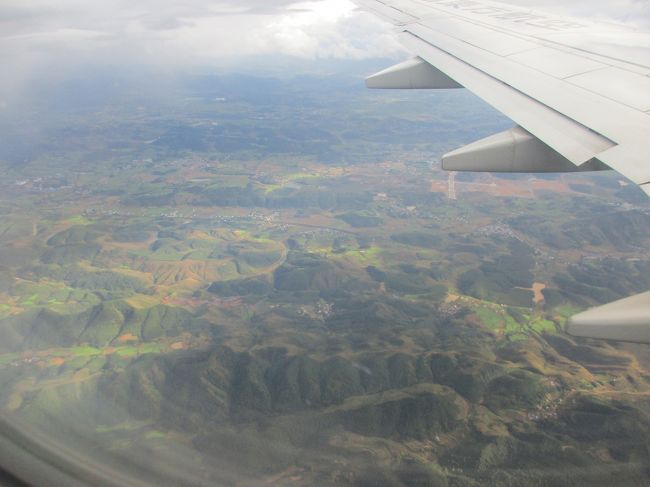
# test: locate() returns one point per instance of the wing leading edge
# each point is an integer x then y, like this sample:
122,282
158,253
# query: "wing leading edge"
579,92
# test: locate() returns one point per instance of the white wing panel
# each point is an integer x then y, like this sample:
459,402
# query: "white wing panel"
501,16
558,64
576,142
600,114
617,84
615,44
483,38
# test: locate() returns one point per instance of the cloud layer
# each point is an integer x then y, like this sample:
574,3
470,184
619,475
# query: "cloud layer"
41,35
193,31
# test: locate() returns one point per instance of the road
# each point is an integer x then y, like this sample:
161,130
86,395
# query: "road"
451,192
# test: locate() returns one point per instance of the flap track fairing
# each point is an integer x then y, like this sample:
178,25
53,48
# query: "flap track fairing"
515,150
626,320
414,74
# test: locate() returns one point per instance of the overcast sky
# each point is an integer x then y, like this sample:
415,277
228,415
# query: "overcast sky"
58,35
171,32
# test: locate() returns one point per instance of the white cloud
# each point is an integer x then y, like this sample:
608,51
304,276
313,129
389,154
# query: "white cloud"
310,30
329,29
192,30
172,33
40,39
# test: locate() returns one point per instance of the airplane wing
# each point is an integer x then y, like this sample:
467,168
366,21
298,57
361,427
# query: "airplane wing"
578,91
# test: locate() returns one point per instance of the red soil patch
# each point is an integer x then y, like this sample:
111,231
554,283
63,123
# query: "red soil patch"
129,337
439,187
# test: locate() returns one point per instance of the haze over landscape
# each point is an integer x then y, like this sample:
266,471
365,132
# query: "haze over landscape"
233,264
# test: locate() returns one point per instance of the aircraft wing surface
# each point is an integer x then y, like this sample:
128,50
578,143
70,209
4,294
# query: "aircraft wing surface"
579,92
581,89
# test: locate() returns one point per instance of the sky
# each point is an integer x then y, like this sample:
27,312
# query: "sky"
40,38
175,33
